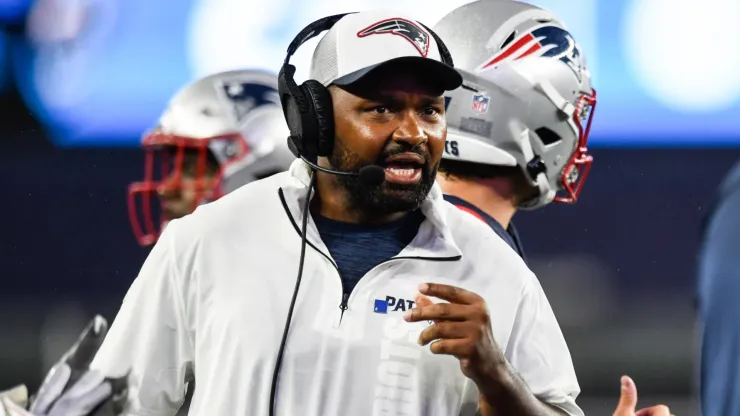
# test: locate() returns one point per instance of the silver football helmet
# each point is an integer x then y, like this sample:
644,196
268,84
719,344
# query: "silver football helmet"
217,134
526,99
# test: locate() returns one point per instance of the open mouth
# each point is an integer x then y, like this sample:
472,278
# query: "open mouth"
404,169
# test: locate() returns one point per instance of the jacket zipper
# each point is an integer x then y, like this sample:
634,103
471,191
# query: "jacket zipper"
343,306
345,296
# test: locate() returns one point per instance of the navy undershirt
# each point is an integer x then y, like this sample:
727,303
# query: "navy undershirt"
509,234
357,248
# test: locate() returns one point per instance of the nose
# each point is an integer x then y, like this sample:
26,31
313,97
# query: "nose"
410,130
168,188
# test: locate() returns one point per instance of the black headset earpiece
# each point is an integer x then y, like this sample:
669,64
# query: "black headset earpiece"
294,106
308,107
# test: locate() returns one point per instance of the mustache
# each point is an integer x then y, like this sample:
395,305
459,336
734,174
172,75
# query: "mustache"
399,148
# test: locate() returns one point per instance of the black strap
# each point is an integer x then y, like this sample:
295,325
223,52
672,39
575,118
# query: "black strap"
444,53
311,31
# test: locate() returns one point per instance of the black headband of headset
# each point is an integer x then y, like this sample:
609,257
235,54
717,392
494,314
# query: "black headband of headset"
326,23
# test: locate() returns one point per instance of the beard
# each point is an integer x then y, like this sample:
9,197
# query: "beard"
387,198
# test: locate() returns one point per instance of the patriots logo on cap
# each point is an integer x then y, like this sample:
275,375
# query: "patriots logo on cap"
400,27
480,103
543,41
244,96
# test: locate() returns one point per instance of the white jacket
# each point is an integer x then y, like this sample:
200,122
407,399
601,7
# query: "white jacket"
212,298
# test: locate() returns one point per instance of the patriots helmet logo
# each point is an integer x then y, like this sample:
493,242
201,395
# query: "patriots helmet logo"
245,96
400,27
543,41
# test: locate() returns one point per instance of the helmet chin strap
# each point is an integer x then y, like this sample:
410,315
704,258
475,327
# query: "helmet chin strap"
545,195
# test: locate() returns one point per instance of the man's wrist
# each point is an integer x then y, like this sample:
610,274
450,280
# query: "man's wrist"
502,391
497,382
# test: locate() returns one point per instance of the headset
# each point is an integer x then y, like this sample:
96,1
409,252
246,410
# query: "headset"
308,107
309,114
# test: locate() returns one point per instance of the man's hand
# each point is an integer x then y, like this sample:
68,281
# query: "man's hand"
461,328
72,389
628,402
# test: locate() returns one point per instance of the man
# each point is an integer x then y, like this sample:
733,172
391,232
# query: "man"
217,134
718,288
518,127
212,299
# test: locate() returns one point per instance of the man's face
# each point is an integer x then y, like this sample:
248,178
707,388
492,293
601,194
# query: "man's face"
394,118
198,179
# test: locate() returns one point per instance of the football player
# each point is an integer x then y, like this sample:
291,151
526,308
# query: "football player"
519,125
217,134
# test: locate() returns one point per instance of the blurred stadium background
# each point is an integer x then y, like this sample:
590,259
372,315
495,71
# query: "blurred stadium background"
80,80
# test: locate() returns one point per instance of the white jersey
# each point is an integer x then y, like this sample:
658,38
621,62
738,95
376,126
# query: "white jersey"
211,301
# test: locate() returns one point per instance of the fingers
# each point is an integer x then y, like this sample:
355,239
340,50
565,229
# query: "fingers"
660,410
88,382
445,330
628,402
83,351
449,293
459,348
422,300
81,406
51,388
438,312
93,399
627,398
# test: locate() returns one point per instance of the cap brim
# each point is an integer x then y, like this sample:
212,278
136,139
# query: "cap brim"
447,76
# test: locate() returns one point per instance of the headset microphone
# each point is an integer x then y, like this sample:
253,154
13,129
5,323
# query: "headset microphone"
371,176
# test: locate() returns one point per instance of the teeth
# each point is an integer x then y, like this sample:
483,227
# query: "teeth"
402,172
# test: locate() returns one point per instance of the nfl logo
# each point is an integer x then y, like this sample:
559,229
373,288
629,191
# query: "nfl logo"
480,103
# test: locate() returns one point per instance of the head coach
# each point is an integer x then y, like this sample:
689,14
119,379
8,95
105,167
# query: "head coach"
298,294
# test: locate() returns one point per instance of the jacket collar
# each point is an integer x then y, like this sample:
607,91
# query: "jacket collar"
434,239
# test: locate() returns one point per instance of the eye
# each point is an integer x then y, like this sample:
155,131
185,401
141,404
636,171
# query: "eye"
430,111
380,109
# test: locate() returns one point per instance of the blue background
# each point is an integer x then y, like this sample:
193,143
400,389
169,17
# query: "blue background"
134,55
